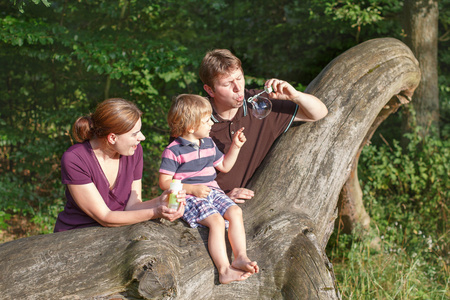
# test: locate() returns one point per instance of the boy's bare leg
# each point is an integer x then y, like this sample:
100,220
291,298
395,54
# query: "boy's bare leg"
217,250
236,236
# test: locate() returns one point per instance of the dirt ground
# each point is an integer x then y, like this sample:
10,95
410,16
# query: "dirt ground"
18,227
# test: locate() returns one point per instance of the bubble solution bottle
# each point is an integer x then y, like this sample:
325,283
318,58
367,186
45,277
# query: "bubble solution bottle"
175,186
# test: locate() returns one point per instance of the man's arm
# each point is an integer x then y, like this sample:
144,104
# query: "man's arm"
310,108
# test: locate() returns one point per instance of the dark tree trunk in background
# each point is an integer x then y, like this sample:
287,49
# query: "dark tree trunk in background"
288,223
421,26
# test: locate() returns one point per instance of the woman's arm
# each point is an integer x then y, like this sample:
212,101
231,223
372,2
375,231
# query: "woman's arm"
90,201
158,203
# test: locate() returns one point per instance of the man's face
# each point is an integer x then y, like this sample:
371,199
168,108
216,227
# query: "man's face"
229,89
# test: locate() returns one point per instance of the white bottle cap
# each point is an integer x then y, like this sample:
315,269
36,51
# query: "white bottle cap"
268,89
176,185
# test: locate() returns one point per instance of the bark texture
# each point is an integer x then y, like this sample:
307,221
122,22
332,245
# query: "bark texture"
350,204
421,19
288,223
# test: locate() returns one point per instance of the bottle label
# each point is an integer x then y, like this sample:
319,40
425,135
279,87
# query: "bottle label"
173,203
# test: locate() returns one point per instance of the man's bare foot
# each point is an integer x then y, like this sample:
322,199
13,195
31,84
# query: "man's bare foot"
231,274
245,264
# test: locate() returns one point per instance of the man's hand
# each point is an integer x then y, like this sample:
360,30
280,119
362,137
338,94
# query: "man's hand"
282,90
239,195
311,109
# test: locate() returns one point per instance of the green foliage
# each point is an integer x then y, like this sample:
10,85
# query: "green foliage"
409,185
406,193
354,13
20,4
60,58
3,218
300,37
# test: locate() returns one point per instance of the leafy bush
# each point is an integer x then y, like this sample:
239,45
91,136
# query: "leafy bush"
4,217
406,253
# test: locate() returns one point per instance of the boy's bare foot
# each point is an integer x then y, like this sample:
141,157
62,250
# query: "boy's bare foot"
245,264
231,274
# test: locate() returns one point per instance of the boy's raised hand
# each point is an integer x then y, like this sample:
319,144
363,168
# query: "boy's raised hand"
239,138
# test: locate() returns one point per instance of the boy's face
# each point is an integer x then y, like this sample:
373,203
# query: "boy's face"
228,89
205,127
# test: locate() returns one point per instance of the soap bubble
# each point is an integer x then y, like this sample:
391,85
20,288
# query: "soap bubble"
261,107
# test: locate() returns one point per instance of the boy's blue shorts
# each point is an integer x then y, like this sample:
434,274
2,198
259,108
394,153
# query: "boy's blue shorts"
198,209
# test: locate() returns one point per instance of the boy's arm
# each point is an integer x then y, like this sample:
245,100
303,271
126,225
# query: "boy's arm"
232,154
164,181
199,190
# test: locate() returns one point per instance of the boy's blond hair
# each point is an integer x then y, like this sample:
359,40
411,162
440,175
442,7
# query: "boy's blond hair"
186,113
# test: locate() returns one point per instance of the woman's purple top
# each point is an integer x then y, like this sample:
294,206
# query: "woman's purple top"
79,165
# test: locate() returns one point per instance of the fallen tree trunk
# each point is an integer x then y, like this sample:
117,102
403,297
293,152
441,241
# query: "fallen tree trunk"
351,207
288,223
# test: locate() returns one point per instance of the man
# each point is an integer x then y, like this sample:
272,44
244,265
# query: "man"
223,79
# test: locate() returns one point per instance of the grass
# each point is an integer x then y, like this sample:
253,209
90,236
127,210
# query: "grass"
367,267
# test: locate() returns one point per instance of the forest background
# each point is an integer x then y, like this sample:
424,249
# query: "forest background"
60,58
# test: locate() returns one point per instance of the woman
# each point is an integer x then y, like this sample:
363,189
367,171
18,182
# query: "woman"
103,172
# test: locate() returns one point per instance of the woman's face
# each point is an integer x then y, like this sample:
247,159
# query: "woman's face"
126,144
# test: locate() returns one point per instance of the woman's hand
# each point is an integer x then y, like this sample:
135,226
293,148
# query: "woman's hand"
171,214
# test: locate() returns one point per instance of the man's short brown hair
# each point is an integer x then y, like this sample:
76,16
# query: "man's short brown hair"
217,63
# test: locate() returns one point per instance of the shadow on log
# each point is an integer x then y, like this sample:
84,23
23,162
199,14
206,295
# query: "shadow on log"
288,223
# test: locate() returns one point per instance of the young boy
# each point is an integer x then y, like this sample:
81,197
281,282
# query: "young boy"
192,157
